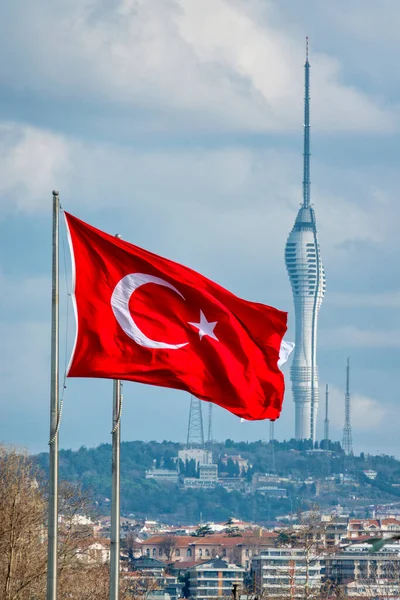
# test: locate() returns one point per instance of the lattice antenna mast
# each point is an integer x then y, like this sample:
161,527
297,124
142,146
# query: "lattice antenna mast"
195,435
326,421
306,154
347,433
272,446
210,433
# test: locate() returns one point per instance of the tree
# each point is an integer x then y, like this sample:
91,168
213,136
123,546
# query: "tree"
203,530
167,545
23,535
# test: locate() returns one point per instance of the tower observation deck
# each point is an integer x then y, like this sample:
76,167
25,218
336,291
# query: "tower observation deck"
306,273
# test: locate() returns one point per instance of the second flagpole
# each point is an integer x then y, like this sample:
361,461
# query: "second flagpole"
115,494
115,490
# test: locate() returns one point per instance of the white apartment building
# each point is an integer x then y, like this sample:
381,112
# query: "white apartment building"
286,572
214,579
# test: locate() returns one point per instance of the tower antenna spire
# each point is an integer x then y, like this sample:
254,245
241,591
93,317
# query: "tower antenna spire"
347,443
306,154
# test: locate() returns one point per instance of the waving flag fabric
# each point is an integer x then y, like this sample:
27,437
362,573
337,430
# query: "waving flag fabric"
144,318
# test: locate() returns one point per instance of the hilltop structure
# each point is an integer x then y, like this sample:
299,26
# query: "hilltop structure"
347,443
307,278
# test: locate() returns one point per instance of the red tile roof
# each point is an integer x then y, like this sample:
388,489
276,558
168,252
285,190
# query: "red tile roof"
183,541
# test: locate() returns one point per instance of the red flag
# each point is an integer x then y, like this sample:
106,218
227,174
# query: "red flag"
144,318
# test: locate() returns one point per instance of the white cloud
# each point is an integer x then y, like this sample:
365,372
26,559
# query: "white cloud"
185,64
32,161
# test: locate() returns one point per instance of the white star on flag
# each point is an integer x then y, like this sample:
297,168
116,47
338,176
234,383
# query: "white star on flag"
205,328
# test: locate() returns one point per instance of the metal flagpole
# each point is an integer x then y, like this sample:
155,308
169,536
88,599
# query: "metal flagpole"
52,526
115,493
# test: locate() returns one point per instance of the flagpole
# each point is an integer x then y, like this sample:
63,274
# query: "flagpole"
52,525
115,494
115,490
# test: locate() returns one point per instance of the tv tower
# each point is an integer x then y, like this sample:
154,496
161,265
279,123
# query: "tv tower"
195,435
347,443
307,277
326,421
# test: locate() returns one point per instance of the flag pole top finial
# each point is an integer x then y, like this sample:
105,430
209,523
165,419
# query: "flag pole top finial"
56,193
118,236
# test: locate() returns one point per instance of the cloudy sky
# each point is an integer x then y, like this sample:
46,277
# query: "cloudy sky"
178,123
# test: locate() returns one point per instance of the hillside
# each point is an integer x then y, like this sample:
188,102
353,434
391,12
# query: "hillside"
305,475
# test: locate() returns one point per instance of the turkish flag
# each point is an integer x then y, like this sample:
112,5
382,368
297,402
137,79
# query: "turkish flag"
144,318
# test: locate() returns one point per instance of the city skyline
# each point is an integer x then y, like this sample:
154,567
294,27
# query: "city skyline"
180,129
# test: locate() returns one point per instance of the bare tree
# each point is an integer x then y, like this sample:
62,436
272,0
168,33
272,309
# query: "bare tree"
23,536
167,545
22,518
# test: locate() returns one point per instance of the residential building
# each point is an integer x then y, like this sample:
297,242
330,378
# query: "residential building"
195,483
94,550
285,572
209,472
166,475
238,549
272,491
357,563
335,531
150,580
214,579
361,528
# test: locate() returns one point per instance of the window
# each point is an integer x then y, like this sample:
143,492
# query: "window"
200,552
207,552
177,552
154,551
224,552
148,551
160,552
189,552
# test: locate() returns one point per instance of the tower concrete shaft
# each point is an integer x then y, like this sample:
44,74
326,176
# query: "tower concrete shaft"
326,421
195,435
347,443
307,277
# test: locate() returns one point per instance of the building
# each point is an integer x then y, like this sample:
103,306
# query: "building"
335,531
361,528
149,579
238,549
357,563
214,579
166,475
94,550
199,455
373,589
370,474
209,472
285,572
307,278
272,491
